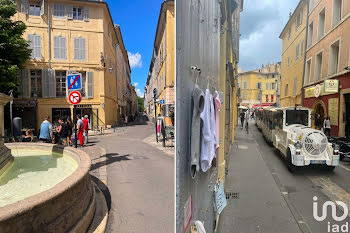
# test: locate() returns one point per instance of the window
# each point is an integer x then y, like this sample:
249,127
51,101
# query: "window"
35,45
273,86
297,53
258,85
83,84
267,86
337,11
286,90
79,49
36,83
59,11
297,117
77,13
301,16
302,48
289,33
60,83
245,85
259,76
318,66
267,98
321,23
272,97
308,71
58,113
334,58
295,86
59,47
34,9
311,4
244,95
288,61
311,33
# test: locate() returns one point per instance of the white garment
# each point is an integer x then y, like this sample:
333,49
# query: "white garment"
327,124
208,132
200,227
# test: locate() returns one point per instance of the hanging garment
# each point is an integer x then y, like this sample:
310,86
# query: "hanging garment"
213,131
199,227
198,106
217,119
207,145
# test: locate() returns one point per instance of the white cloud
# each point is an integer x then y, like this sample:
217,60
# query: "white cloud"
135,84
139,93
135,60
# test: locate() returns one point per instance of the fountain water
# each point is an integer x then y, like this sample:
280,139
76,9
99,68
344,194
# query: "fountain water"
5,154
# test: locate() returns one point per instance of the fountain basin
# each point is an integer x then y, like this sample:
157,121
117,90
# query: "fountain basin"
64,205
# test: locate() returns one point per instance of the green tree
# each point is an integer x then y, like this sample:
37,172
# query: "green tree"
140,102
14,50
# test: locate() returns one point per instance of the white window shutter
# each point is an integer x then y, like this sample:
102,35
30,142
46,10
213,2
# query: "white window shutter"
86,14
76,48
69,11
45,83
56,47
37,46
24,7
90,84
31,44
83,49
42,7
63,46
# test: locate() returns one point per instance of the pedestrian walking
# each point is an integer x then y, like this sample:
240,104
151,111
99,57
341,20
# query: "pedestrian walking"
318,122
86,129
62,131
46,133
242,118
80,128
327,126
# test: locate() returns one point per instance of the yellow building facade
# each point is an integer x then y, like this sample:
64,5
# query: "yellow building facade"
162,68
68,37
259,86
293,56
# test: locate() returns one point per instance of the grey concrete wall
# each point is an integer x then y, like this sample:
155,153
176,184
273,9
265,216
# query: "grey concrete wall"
197,44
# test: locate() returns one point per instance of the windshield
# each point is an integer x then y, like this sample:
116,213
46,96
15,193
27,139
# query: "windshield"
297,117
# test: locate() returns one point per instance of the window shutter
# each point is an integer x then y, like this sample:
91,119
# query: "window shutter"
42,7
83,47
63,48
56,47
90,84
25,83
45,83
31,44
86,14
76,48
24,7
69,11
37,46
51,83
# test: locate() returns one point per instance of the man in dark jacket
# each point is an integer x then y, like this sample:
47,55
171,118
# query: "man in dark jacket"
318,122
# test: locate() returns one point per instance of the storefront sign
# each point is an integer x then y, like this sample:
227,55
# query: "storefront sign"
84,106
331,86
333,110
319,89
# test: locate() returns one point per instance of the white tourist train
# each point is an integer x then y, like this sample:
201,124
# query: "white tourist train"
289,130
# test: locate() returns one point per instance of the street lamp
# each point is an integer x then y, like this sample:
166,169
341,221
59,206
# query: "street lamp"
11,103
35,98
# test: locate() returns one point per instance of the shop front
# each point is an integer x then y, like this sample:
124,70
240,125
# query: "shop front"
331,98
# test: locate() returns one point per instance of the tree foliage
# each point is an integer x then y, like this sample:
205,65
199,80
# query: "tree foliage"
14,50
140,105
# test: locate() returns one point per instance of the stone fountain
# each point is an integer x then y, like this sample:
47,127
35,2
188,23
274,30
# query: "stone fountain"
5,154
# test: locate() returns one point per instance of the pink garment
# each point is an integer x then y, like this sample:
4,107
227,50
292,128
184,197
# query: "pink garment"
217,119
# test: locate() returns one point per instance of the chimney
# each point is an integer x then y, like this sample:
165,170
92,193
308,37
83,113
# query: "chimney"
290,14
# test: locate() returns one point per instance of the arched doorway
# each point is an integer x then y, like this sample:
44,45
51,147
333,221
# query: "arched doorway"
318,108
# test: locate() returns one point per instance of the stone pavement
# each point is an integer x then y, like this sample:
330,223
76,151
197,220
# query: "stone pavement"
169,149
256,204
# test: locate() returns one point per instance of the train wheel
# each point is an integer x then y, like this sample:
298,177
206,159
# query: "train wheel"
291,167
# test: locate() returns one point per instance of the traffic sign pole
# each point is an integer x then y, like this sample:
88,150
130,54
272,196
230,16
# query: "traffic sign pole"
75,126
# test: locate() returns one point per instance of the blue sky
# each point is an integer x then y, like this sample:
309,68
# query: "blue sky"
138,22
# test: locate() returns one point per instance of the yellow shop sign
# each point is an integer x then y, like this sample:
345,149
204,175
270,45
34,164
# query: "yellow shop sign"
331,87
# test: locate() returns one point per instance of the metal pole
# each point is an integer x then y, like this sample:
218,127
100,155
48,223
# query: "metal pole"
11,103
75,127
155,116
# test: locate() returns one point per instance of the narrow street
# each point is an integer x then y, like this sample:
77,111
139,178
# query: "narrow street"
140,181
271,199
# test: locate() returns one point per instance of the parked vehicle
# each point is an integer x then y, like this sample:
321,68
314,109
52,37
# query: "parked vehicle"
289,130
344,146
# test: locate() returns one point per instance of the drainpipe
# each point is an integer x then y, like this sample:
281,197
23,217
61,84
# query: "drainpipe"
306,42
49,32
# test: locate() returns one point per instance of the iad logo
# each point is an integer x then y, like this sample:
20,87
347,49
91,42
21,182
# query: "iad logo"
335,227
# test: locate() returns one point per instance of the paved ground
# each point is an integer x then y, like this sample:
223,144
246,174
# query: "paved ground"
140,178
271,199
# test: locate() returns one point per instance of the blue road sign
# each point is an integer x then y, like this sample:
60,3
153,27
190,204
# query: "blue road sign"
74,82
162,101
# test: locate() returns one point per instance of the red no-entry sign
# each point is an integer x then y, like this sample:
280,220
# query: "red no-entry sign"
74,97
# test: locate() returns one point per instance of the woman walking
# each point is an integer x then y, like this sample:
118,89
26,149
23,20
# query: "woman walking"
327,126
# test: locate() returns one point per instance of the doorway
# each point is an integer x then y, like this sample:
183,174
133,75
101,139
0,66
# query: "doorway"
347,114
